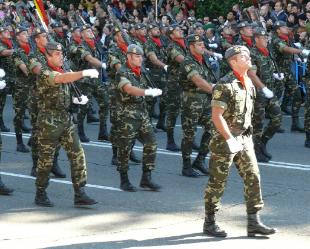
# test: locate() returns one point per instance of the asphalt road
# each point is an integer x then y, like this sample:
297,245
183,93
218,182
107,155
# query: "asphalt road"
171,218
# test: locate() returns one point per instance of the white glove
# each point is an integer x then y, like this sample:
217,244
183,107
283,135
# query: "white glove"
213,45
297,44
104,65
217,55
153,92
166,68
93,73
211,59
2,84
305,60
83,101
2,73
278,76
268,93
305,52
234,145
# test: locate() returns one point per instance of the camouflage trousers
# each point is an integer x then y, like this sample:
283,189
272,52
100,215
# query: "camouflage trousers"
100,93
33,111
246,164
57,128
20,103
134,123
307,108
195,110
263,106
173,104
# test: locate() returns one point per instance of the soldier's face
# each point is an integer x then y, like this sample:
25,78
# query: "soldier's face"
177,33
155,32
42,39
56,58
5,34
284,30
23,37
243,61
247,31
261,41
88,33
135,60
199,47
142,32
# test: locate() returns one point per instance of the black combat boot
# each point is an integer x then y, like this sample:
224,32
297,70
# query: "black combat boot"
307,142
260,157
3,127
147,183
125,183
56,170
114,156
4,190
198,164
255,226
263,145
81,132
91,118
296,126
187,169
20,144
161,120
42,199
211,228
171,145
103,132
81,198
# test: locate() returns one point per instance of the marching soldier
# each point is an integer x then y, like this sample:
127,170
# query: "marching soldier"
195,107
134,119
55,126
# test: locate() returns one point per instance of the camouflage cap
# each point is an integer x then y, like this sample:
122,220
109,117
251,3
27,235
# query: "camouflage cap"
131,26
134,49
3,28
279,24
172,28
139,26
38,31
20,29
260,32
194,38
152,26
234,50
53,46
163,26
244,24
85,26
74,28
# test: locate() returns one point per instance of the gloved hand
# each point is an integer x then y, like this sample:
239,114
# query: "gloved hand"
268,93
278,76
297,44
154,92
104,65
305,52
211,59
83,100
93,73
213,45
217,55
234,145
166,68
2,84
2,73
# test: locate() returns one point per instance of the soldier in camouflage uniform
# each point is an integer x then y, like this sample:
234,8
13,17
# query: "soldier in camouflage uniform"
59,35
36,61
283,55
6,62
155,54
232,110
195,107
55,126
265,71
87,55
134,121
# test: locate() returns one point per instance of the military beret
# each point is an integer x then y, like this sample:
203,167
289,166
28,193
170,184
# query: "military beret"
152,26
172,28
56,25
197,25
85,26
3,28
279,24
194,38
38,31
134,49
20,29
234,50
54,46
139,26
244,24
260,32
74,28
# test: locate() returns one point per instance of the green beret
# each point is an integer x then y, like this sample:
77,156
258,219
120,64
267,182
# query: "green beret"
197,25
134,49
54,46
244,24
194,38
38,31
279,24
260,32
234,50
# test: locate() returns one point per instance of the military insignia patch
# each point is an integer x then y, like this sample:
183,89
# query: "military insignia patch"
188,68
217,94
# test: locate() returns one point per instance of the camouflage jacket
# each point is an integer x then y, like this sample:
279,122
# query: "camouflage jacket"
20,57
62,40
72,55
173,50
284,60
116,56
265,67
191,67
53,97
150,48
7,63
237,102
240,41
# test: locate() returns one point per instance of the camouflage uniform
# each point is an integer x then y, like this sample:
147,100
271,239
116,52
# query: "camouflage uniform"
54,124
237,103
195,109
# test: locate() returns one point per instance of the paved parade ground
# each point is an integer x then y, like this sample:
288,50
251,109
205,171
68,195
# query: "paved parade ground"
172,218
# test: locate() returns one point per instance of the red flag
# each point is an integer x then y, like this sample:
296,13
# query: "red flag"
41,10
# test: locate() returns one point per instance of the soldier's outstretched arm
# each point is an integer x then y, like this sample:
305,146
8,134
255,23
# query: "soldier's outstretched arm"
63,78
202,83
6,52
94,61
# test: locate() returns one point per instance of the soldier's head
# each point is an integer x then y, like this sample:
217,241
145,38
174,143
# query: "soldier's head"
87,32
153,30
175,32
5,33
134,55
76,32
54,54
22,35
118,37
40,37
198,29
261,37
238,58
57,27
140,29
196,45
245,29
280,27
